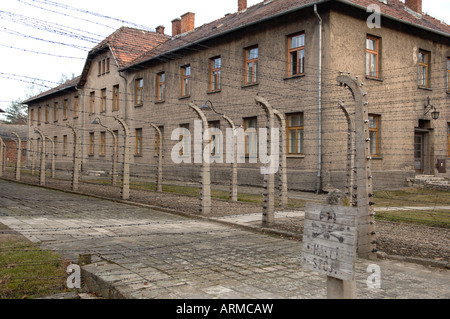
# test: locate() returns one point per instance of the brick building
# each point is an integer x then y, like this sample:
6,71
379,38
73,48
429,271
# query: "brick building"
289,52
10,140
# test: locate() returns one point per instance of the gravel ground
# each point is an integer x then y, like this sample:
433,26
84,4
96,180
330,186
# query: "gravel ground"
392,238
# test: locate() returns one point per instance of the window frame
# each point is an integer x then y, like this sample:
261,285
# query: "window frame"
377,132
214,129
65,109
185,144
55,111
102,149
64,150
254,68
103,101
215,75
161,86
424,66
47,113
91,144
139,92
186,80
138,142
369,53
296,49
254,138
92,102
116,97
299,149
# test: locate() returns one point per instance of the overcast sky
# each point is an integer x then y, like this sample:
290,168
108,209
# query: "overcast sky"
40,40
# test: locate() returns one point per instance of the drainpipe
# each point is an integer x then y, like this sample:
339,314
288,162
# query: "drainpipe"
319,170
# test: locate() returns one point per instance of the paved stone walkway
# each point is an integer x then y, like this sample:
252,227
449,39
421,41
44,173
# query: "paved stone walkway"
143,253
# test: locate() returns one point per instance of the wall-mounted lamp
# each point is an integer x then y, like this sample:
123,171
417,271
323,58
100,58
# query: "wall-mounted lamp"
206,107
428,107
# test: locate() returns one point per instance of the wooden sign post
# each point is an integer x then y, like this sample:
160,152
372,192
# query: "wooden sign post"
329,246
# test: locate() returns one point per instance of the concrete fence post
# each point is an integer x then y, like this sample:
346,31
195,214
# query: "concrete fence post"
19,155
42,167
366,244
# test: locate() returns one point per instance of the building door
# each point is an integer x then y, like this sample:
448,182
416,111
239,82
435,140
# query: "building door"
419,153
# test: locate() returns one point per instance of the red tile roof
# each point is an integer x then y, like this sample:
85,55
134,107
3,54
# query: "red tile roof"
128,43
65,87
269,9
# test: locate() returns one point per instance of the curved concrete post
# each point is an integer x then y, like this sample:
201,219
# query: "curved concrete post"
53,156
42,168
205,195
126,160
283,162
268,218
114,157
234,172
366,222
159,172
33,156
76,159
19,155
350,154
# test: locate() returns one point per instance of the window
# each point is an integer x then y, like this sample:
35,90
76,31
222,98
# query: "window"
215,77
214,137
65,109
55,112
103,101
99,68
138,141
115,98
102,143
64,152
424,69
185,81
39,116
295,134
251,137
448,75
31,116
92,103
91,144
372,56
159,141
107,65
161,87
296,54
251,65
139,92
47,110
75,107
185,137
374,134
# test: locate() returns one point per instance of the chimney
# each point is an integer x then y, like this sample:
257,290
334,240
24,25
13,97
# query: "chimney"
242,5
187,22
415,5
176,27
160,29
